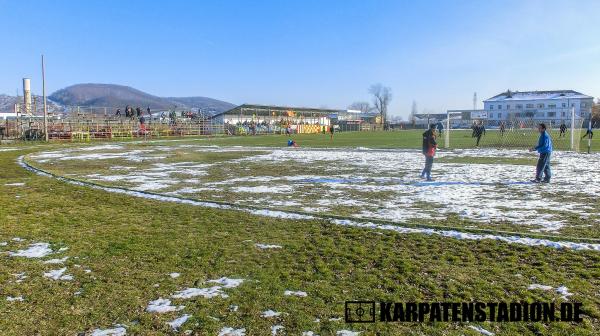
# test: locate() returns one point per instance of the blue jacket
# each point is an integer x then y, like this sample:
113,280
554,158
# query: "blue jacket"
544,143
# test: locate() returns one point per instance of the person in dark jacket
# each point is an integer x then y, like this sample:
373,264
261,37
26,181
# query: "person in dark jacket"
563,130
589,132
429,146
478,132
544,148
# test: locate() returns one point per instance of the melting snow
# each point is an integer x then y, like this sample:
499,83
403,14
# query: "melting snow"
538,286
347,333
37,250
58,274
174,275
265,246
269,313
472,236
228,331
295,293
275,329
482,331
11,298
208,293
227,282
16,184
162,306
178,322
564,291
118,331
56,261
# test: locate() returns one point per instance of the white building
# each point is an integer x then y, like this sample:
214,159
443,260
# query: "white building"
553,106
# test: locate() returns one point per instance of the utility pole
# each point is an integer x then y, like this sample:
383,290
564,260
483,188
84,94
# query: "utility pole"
45,106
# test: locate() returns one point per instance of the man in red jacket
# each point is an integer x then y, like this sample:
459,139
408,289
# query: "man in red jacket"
429,146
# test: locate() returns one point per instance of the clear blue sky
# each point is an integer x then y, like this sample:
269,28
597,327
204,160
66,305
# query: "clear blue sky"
306,53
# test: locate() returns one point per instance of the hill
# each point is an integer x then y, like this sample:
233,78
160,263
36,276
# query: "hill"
111,95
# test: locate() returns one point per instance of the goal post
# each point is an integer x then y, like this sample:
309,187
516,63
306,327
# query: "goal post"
517,130
573,128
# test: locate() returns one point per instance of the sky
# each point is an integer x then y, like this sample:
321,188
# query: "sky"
307,53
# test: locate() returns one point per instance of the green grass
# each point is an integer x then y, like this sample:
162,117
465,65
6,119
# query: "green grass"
131,244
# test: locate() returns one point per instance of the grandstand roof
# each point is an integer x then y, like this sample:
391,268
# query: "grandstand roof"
537,95
237,109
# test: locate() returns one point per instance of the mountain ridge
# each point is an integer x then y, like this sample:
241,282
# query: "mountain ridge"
118,96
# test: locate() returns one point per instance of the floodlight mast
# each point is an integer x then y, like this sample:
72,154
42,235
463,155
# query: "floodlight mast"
45,106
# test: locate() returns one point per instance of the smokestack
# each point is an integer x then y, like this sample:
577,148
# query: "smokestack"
27,95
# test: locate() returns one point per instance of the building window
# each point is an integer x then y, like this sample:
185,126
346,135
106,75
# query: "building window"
551,105
499,107
552,114
564,114
499,115
583,105
508,107
564,104
519,106
529,106
540,105
491,107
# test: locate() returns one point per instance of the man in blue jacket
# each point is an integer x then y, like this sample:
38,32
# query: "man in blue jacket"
544,148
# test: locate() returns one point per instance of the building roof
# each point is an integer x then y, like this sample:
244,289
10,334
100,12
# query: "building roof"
280,108
535,95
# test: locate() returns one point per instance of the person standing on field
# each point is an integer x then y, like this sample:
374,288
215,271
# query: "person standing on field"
331,130
429,147
563,130
544,148
479,131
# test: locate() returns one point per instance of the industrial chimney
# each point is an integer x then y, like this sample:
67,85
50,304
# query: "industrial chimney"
27,95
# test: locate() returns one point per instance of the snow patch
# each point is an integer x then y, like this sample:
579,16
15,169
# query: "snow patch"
15,298
58,274
37,250
482,331
208,293
269,313
228,331
295,293
162,306
56,261
275,329
118,331
178,322
266,246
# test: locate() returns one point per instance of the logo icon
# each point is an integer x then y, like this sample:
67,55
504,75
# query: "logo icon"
360,312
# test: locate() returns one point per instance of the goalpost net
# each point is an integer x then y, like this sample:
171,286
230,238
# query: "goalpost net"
461,132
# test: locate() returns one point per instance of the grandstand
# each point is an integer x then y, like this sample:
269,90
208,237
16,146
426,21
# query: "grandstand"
266,119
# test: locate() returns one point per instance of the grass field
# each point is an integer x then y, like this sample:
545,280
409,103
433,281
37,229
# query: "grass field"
123,252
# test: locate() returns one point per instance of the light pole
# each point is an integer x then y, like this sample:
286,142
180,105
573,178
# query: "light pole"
45,106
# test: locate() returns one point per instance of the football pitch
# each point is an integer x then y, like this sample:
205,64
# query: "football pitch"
246,236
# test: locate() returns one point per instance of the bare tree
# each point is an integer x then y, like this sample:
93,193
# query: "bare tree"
413,113
382,95
364,107
596,113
